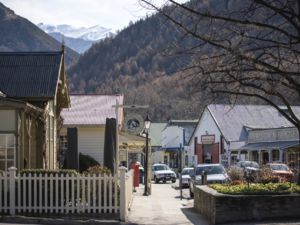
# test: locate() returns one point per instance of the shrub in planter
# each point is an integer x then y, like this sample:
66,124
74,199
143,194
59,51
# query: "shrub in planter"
98,170
86,161
236,174
258,188
265,176
43,172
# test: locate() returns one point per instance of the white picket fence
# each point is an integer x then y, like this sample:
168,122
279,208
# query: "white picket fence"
65,194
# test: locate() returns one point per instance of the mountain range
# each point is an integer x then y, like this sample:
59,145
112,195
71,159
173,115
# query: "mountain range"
77,38
141,61
19,34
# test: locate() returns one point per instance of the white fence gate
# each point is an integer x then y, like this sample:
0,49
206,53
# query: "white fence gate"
65,194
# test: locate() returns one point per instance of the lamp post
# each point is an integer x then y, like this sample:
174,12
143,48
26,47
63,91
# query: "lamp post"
147,126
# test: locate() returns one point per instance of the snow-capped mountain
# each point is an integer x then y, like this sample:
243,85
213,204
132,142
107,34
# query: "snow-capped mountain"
77,38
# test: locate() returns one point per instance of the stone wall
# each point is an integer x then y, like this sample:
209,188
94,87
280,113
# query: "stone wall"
220,208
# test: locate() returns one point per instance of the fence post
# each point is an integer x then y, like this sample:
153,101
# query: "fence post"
12,190
123,207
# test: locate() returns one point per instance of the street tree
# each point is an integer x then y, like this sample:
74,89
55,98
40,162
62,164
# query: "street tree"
241,48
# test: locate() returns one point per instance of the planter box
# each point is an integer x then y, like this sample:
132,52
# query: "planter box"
221,208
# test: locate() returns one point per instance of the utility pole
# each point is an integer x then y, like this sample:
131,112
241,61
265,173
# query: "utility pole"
146,165
117,106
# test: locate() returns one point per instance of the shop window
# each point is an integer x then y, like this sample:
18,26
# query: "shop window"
7,151
255,156
166,160
186,160
63,147
275,155
207,153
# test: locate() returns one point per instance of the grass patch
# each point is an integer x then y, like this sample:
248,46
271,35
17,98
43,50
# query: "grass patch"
255,188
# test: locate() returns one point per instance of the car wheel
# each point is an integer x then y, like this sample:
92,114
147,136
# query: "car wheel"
156,180
173,181
191,193
164,181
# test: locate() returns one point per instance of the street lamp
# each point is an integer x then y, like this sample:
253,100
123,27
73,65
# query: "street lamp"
147,123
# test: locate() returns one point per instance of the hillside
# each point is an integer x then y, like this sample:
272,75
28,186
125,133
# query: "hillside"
22,35
144,62
138,62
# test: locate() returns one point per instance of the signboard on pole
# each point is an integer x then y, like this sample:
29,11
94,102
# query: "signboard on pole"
207,139
134,123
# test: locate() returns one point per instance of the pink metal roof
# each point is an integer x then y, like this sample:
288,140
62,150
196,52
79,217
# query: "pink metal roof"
92,109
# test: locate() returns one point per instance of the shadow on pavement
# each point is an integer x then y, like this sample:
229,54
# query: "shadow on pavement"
193,216
183,197
266,222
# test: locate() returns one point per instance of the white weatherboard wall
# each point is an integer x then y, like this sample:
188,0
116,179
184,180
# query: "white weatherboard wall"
205,126
91,142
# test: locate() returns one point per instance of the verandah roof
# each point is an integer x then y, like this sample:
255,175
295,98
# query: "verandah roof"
269,145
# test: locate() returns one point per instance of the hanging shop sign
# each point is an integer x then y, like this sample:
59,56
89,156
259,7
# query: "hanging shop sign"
134,123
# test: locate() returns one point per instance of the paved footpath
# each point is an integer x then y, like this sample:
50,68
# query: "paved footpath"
163,207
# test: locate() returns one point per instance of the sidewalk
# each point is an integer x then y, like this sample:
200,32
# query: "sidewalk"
163,206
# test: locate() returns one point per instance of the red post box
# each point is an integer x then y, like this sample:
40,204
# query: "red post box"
136,175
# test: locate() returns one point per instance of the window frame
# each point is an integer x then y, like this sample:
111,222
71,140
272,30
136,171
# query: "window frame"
6,148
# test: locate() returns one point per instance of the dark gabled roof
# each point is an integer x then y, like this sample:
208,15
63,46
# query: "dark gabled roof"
29,74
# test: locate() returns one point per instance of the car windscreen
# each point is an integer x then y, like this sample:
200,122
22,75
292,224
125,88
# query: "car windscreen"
210,170
161,167
279,167
187,171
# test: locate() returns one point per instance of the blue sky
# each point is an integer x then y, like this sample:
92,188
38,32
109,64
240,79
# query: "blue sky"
114,14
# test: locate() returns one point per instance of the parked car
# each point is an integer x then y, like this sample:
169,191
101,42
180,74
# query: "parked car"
216,173
161,172
186,174
248,166
281,170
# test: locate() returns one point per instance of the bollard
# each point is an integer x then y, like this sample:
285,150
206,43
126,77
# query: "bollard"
204,178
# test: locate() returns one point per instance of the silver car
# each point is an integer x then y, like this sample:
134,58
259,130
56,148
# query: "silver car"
248,166
216,173
186,176
162,172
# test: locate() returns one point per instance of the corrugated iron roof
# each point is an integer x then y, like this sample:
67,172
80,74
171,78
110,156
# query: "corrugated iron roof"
233,120
270,145
183,122
91,109
29,74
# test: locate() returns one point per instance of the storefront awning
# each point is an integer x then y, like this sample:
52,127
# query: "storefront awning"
131,142
269,145
171,149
